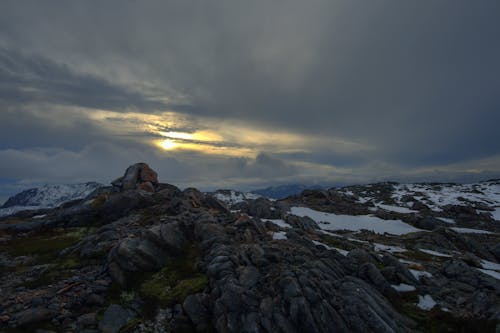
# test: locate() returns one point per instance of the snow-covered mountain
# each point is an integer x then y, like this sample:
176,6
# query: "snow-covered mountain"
231,197
47,196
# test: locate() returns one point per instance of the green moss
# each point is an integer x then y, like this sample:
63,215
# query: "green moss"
174,282
62,269
164,288
45,245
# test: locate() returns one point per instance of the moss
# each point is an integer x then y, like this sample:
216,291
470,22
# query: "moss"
45,245
174,282
167,290
61,269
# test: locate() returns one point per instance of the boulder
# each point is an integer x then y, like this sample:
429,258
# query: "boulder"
33,316
114,318
137,176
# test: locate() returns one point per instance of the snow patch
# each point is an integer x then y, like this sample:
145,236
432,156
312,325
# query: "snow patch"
279,235
426,302
494,274
341,251
388,248
403,287
490,265
470,231
446,220
330,221
419,274
435,253
280,223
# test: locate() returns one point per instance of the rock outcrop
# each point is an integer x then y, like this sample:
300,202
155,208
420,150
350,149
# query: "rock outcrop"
129,259
138,176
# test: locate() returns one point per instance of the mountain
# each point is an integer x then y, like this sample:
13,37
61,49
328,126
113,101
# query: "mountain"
47,196
143,256
231,197
283,191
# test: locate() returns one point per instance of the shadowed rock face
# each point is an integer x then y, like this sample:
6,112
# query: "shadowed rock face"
177,261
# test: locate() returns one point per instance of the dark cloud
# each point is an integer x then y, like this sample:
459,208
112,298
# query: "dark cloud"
27,79
417,82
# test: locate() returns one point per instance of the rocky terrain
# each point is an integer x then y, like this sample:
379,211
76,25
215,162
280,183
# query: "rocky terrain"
142,256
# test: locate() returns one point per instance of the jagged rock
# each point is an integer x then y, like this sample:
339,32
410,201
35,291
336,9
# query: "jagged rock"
427,223
304,223
496,251
146,186
33,316
142,253
224,271
197,312
114,318
172,236
262,208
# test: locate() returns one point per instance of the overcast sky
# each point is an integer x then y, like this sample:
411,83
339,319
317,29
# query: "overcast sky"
246,94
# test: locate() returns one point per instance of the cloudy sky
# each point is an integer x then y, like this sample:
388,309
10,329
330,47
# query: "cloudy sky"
244,94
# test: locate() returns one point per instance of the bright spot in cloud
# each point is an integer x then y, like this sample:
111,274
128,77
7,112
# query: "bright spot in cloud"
168,144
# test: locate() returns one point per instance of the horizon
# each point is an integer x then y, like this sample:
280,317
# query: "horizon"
3,199
249,95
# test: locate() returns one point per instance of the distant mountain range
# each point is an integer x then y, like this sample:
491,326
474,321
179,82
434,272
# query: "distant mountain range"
283,191
47,196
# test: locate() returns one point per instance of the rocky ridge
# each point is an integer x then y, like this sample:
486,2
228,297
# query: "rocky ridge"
152,258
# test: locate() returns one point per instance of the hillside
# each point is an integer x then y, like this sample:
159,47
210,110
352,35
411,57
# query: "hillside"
142,256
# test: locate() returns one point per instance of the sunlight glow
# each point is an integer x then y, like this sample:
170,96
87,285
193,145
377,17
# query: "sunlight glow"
168,144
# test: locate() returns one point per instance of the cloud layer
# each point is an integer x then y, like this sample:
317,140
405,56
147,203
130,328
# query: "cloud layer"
264,92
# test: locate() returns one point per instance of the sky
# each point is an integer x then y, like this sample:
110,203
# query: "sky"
246,94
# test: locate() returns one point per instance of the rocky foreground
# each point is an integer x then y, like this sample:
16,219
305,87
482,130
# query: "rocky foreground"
141,256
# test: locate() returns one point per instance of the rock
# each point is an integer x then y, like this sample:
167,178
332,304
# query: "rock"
146,186
147,174
87,319
172,236
114,318
33,316
305,223
496,251
142,253
427,223
137,176
196,311
261,208
249,276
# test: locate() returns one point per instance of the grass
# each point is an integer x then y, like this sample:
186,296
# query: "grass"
61,269
44,245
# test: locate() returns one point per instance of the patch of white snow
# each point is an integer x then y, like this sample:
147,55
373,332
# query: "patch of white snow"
330,221
426,302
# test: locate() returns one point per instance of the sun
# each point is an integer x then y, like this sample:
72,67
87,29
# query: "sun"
168,144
